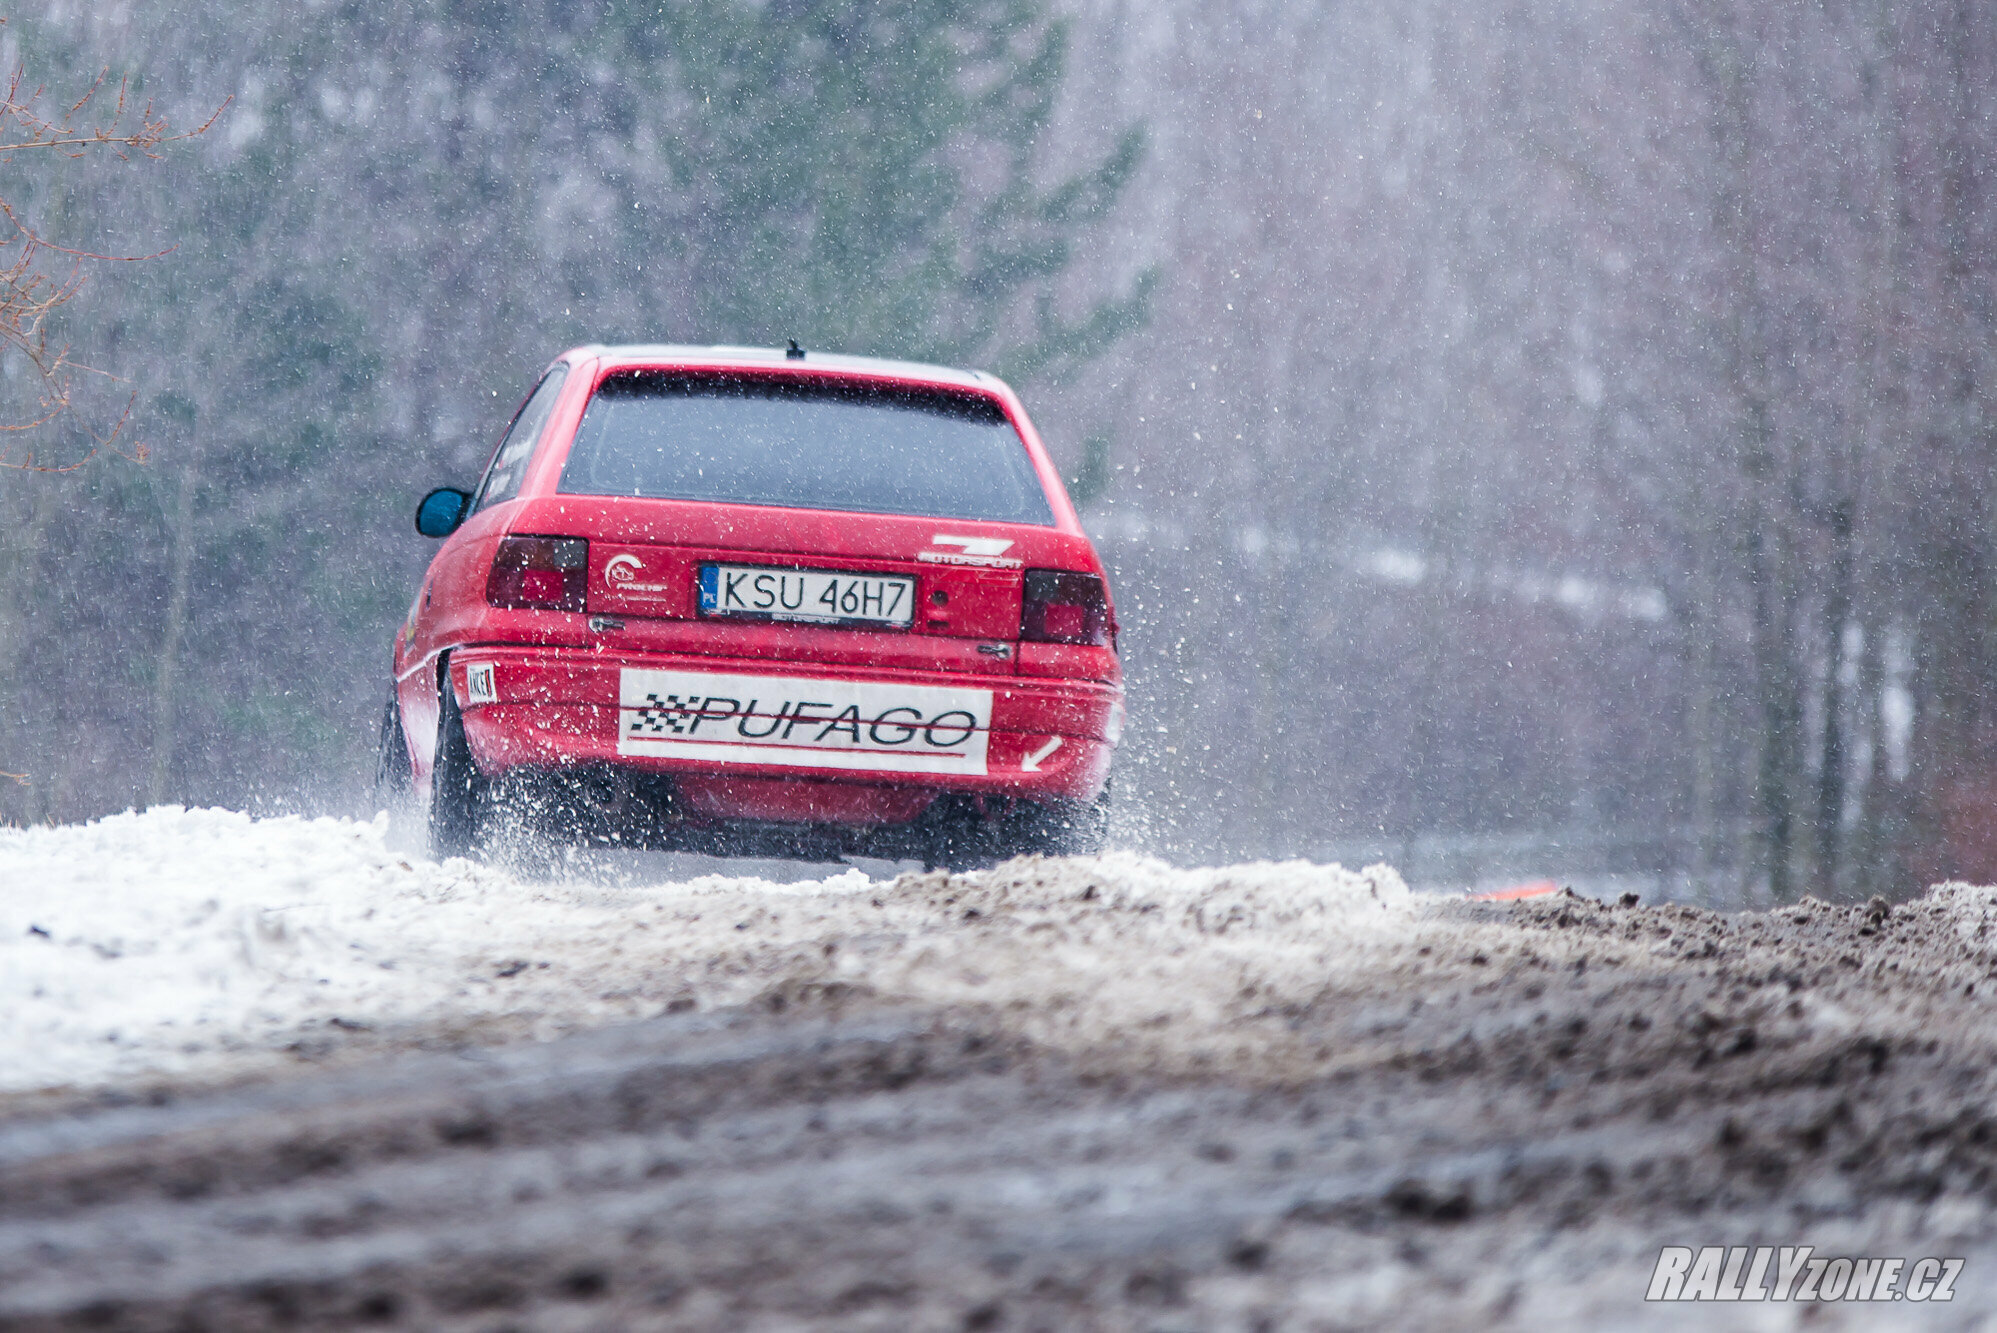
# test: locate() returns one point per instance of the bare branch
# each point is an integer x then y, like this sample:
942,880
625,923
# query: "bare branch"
30,292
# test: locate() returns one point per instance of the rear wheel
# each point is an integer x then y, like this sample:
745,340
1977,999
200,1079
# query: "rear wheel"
529,827
458,794
394,781
1059,828
960,833
538,819
967,833
392,778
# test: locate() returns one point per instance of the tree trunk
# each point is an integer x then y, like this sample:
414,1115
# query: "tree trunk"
1776,695
1866,849
1829,817
23,792
166,678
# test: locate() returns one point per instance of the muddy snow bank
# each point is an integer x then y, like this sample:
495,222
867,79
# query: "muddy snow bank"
190,941
1179,968
165,940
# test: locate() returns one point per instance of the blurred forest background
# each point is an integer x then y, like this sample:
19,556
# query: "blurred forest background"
1546,435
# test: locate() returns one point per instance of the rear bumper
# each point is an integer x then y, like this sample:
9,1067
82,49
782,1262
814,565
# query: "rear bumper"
1047,739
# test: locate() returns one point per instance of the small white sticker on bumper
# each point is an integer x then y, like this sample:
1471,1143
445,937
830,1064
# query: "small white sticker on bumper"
803,723
479,686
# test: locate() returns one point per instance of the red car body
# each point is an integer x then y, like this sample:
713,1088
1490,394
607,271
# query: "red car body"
673,710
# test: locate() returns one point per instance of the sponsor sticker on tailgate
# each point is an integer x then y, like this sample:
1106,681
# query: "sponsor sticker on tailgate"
856,725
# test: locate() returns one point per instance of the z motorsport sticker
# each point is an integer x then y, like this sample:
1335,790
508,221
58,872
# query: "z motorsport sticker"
801,722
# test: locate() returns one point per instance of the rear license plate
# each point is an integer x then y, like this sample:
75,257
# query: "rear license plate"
823,596
803,723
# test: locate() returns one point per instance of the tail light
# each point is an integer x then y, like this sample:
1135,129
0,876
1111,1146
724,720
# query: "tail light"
539,574
1061,606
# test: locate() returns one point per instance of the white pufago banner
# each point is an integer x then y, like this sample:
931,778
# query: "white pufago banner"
803,722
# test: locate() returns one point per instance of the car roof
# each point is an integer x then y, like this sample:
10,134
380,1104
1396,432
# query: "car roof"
765,358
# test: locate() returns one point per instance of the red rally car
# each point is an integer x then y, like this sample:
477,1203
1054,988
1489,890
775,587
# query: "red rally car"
759,602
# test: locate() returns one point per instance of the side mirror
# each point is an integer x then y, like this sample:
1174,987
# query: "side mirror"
442,511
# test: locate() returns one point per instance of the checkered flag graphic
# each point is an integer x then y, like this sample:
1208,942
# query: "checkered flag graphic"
658,716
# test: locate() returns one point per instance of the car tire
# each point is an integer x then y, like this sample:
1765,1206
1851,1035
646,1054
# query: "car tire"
393,776
964,835
1064,828
525,831
395,781
458,793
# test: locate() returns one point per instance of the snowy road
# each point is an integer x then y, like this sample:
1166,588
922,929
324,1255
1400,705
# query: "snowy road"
1090,1094
193,943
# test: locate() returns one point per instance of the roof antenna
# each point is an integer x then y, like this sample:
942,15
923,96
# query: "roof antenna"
793,352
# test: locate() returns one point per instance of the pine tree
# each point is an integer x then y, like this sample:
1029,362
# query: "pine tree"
864,176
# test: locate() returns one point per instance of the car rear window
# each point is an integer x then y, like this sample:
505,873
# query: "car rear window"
804,444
